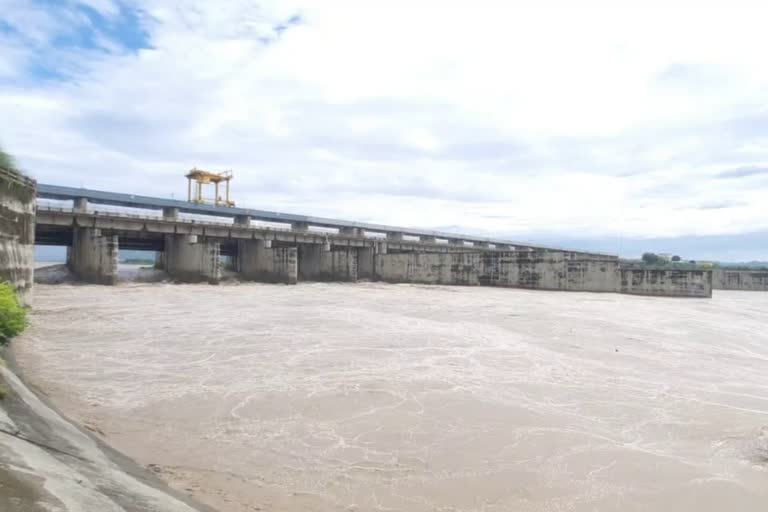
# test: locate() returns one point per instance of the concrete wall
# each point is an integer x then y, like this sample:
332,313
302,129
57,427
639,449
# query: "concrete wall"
544,270
755,280
429,268
366,263
191,259
93,257
318,264
527,269
550,271
671,283
17,232
257,262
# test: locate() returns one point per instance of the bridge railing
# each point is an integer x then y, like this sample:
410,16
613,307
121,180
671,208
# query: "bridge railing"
183,220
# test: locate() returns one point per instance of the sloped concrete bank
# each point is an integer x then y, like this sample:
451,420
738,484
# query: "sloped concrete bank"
47,464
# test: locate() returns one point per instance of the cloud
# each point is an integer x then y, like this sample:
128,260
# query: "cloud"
492,116
743,172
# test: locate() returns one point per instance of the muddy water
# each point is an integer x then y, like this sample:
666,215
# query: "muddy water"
366,397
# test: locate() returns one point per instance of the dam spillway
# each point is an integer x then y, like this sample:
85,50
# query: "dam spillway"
190,250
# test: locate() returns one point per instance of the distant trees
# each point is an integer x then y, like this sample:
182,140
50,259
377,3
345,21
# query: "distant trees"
650,258
6,161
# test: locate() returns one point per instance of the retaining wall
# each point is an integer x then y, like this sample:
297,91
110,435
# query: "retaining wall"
17,231
756,280
428,268
550,271
544,270
672,283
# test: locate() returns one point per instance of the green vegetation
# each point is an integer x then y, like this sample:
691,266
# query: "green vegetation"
651,260
13,317
7,161
138,261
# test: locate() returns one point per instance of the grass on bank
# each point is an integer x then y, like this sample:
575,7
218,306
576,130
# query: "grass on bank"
13,317
7,161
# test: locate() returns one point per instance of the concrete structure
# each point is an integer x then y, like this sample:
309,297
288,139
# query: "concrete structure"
366,263
673,283
343,251
160,233
316,263
548,270
528,269
539,270
298,223
93,257
50,463
191,259
754,280
17,232
462,268
258,261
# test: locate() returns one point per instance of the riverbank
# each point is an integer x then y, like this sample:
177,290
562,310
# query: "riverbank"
47,464
328,397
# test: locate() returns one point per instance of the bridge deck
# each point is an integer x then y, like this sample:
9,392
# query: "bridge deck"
58,192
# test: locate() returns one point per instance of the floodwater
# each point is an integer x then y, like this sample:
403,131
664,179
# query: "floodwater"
363,397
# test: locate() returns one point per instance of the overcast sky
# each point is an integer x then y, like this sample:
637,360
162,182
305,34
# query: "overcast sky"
597,127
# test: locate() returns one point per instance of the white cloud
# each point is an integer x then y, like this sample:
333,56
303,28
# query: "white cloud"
499,118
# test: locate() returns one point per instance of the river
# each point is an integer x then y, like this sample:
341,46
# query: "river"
374,397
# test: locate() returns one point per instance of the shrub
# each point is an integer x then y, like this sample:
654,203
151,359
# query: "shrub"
13,317
6,161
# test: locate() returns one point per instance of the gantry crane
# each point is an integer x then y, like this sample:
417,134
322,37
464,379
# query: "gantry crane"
201,178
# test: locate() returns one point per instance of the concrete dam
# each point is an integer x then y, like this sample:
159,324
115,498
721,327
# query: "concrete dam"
191,239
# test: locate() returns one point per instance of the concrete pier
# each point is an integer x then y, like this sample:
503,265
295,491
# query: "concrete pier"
93,257
170,213
80,204
258,261
366,263
242,220
351,230
191,259
317,264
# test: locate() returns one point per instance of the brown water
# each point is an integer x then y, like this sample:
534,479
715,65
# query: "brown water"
367,397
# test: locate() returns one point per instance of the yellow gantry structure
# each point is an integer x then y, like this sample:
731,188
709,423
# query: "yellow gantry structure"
201,178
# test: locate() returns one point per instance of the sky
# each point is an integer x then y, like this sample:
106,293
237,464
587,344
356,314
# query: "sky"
598,127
